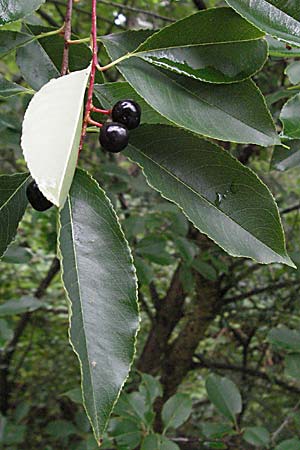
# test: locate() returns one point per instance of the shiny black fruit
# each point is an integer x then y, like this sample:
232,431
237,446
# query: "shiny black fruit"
36,198
113,137
127,112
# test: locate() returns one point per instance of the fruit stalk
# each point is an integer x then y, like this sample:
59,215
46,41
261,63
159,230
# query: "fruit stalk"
67,37
89,103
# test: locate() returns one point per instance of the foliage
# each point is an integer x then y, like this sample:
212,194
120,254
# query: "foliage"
217,360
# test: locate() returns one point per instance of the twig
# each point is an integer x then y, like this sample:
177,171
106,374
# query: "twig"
284,423
290,209
67,37
257,291
136,10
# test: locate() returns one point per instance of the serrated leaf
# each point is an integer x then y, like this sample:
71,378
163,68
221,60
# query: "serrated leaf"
257,436
224,394
176,410
192,104
290,117
284,159
276,17
13,202
9,89
285,338
100,281
51,134
212,188
11,10
192,47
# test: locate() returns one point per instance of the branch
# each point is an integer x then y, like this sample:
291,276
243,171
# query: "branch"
204,363
270,288
285,423
136,10
290,209
67,37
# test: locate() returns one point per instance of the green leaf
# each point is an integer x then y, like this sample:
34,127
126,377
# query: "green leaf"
224,394
75,395
51,134
17,255
100,281
212,188
158,442
11,10
290,117
13,202
150,387
192,104
9,89
46,54
205,269
216,430
257,436
281,49
24,304
284,159
289,444
109,93
176,410
276,17
10,40
292,365
59,429
285,338
192,47
293,72
126,433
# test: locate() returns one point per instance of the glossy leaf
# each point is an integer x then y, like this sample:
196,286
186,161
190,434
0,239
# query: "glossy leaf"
231,112
224,394
24,304
276,17
286,158
257,436
290,117
46,54
9,89
176,410
51,134
281,49
100,281
11,10
212,188
192,47
13,202
285,338
17,255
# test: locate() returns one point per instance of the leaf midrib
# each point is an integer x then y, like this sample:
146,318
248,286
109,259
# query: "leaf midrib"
204,199
14,193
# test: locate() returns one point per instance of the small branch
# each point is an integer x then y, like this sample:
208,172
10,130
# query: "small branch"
89,104
290,209
257,291
136,10
67,37
285,423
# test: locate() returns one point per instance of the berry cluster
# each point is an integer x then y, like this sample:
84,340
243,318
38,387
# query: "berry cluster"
114,136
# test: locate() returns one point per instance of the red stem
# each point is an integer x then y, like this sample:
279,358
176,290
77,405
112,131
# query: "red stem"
93,122
67,37
89,103
101,111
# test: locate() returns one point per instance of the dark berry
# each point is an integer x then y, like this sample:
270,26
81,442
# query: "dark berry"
114,137
36,198
127,112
